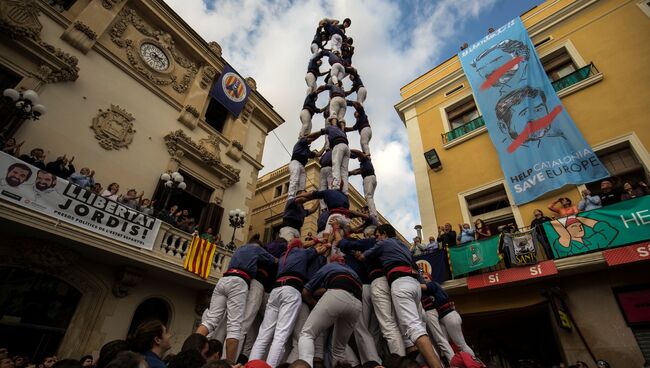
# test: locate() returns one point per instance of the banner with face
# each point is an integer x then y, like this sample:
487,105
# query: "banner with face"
540,148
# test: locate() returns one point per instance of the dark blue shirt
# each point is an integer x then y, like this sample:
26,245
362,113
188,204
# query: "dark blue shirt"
301,151
295,262
333,58
434,289
318,38
361,121
294,214
332,198
153,360
332,29
373,267
323,277
246,257
390,252
312,65
334,135
326,159
321,223
356,83
365,164
310,102
314,265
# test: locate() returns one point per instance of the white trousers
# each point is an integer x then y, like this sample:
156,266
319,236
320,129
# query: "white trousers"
228,299
297,178
251,336
338,107
365,135
253,303
305,119
369,186
438,335
336,308
325,181
337,73
288,233
406,295
319,343
362,93
310,79
279,318
336,41
340,160
452,327
383,306
365,341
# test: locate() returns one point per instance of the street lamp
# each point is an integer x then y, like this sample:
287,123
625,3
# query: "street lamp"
172,181
237,218
24,106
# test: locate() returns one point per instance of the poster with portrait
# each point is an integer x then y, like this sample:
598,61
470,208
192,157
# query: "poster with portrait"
38,190
540,148
522,247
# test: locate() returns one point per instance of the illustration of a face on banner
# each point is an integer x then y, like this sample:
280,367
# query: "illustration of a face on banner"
503,66
524,117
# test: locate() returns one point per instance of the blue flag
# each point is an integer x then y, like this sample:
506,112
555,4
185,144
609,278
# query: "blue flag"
539,146
434,263
230,90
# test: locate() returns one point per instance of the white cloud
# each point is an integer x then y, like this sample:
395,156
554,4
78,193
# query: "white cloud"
269,40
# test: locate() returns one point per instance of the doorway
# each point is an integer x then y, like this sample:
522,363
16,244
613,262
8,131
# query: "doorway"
512,338
35,311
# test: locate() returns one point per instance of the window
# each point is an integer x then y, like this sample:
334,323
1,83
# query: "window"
462,112
286,187
61,5
492,206
558,64
150,309
216,115
278,191
622,164
271,232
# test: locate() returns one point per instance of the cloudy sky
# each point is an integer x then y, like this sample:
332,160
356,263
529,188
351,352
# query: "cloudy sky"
395,41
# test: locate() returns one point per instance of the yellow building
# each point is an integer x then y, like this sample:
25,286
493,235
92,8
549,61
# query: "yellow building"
271,197
126,85
596,54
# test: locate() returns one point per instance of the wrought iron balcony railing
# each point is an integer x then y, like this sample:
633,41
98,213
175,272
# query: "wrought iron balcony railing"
462,130
575,77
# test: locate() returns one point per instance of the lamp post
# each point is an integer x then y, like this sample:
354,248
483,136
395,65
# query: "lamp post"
237,218
172,181
24,106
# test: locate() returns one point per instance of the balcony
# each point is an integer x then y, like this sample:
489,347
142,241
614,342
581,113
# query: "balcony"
575,77
168,254
462,130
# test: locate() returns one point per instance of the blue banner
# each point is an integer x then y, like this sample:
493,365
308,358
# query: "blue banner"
230,90
539,146
435,263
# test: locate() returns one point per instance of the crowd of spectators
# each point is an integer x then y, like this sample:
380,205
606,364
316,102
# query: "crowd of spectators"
562,207
150,344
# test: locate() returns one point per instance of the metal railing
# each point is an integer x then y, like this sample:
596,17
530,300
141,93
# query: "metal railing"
462,130
575,77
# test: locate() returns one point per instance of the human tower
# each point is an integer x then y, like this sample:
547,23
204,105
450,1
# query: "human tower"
315,295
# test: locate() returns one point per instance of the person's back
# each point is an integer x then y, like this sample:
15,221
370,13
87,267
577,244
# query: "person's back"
127,359
187,359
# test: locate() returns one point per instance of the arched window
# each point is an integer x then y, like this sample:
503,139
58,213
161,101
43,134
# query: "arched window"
150,309
35,311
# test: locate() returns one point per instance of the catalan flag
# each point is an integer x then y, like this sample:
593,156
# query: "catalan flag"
200,256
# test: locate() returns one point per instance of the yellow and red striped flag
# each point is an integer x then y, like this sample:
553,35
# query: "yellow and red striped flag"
200,256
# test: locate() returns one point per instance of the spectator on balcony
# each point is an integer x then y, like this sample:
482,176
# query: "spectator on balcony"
61,167
146,207
539,218
466,234
565,209
188,225
208,235
98,189
111,192
588,202
36,158
482,231
417,248
608,193
12,148
85,178
169,216
447,237
630,192
131,199
433,244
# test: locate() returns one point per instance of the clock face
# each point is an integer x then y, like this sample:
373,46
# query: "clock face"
154,57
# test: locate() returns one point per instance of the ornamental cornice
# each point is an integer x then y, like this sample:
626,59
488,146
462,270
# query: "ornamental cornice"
206,152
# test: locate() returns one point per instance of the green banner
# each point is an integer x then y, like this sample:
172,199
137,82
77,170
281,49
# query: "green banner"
474,256
608,227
